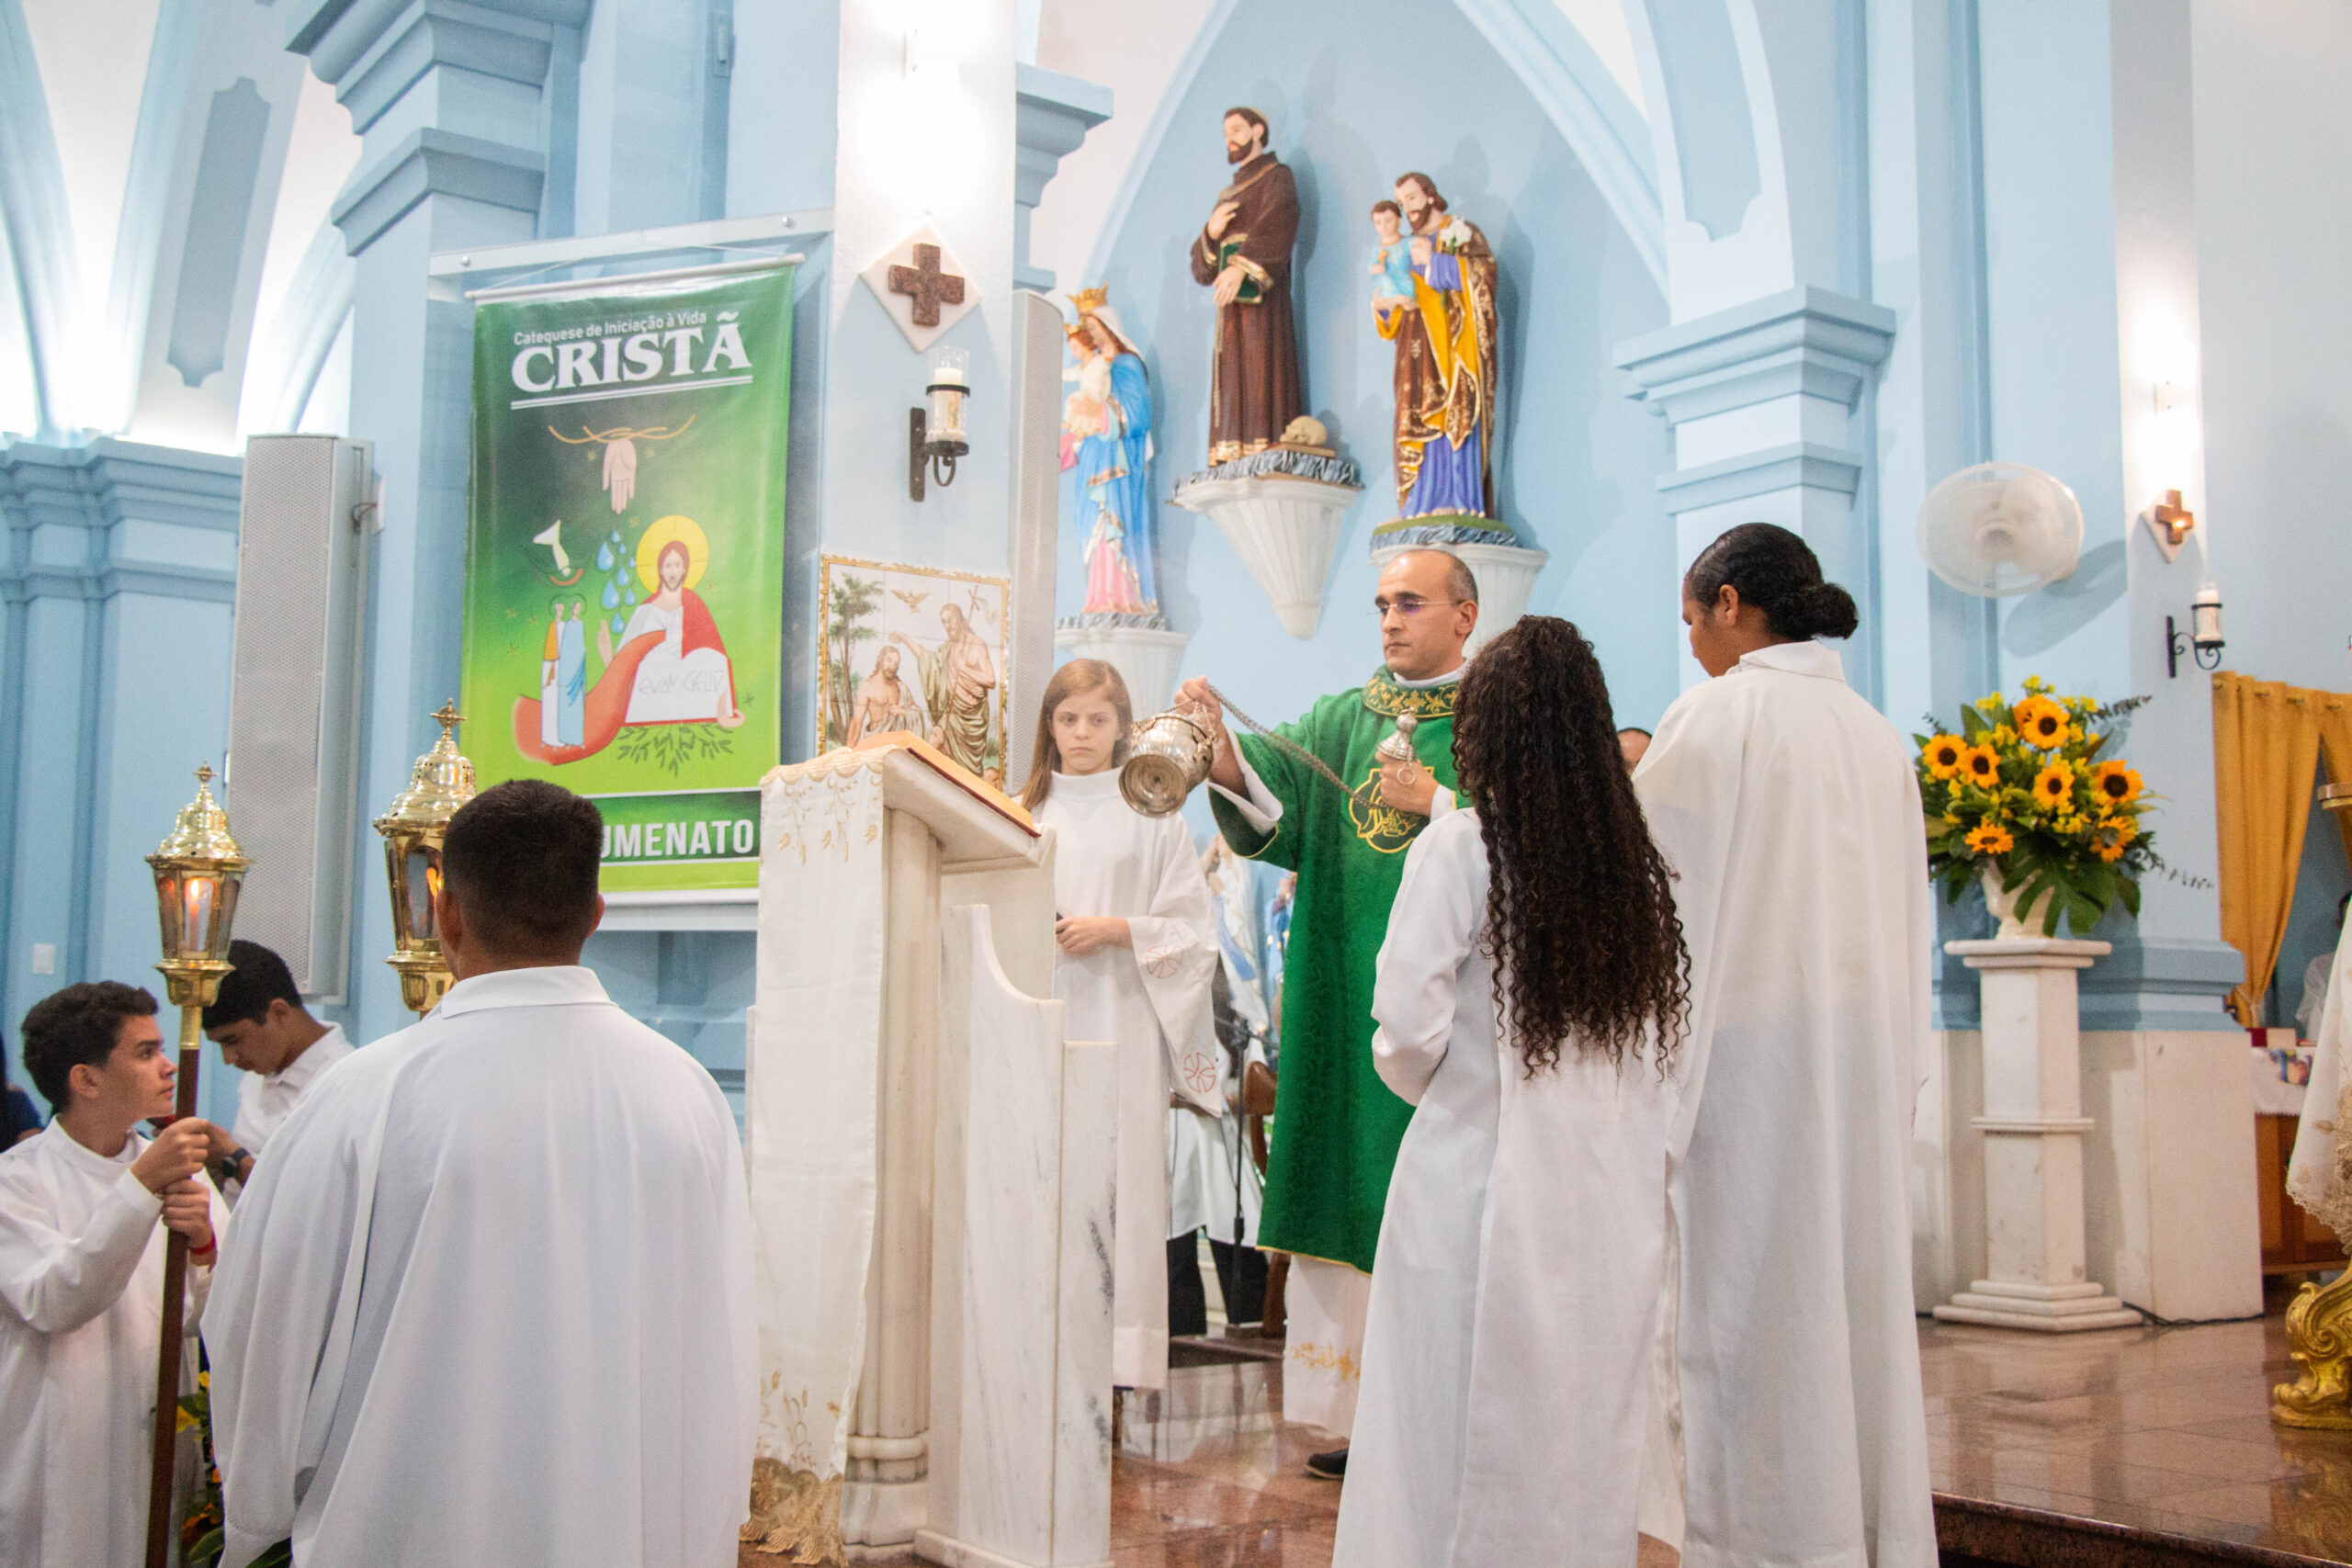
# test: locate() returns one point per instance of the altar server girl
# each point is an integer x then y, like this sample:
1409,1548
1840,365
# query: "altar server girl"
1529,1001
1137,951
1790,812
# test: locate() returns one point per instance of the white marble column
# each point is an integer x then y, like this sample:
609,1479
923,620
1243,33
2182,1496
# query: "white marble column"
885,1493
2033,1129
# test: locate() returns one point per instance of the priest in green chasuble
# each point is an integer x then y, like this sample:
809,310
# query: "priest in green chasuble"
1336,1124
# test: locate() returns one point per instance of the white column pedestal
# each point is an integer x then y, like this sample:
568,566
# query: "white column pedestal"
2033,1129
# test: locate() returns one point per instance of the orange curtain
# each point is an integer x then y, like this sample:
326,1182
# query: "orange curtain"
2266,742
2334,711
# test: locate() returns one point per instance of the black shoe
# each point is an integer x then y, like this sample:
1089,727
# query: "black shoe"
1332,1466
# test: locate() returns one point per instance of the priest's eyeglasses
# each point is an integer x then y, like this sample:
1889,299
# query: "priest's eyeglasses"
1409,605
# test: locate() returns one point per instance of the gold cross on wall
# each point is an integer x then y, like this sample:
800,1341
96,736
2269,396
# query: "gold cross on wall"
927,285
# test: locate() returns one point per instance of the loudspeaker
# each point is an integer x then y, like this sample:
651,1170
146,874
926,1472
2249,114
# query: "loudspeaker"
294,696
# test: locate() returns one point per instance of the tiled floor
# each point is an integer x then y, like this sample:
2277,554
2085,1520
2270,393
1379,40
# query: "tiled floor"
2152,1430
2156,1429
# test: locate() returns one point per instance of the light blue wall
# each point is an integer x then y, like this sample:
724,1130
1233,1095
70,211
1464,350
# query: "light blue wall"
1350,106
2273,233
2274,223
116,567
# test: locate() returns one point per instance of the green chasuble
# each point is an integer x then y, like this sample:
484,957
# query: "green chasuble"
1336,1124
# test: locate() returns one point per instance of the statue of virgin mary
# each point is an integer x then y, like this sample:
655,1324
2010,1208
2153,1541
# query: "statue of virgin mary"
1106,426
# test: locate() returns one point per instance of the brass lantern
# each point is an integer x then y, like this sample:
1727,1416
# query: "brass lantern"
197,872
412,830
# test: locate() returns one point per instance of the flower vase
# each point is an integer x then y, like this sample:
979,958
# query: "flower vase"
2016,923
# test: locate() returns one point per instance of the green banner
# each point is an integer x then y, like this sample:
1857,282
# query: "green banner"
624,560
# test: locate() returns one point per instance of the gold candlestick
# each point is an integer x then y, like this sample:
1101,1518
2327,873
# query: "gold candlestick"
197,872
413,828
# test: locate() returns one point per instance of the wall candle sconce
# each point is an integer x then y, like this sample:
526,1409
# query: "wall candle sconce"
2203,637
935,442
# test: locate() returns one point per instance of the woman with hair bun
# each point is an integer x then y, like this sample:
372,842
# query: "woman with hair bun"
1530,1002
1790,813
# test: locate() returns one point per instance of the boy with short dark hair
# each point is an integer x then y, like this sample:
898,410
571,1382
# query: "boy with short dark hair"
262,1029
82,1277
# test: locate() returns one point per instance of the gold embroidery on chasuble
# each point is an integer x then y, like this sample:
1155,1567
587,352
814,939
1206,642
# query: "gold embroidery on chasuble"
1382,826
1385,697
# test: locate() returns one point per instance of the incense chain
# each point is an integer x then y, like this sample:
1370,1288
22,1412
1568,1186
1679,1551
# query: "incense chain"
1283,743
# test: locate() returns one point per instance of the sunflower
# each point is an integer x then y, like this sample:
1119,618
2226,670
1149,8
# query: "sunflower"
2042,723
2054,785
1991,839
2115,783
1942,755
1980,767
2114,834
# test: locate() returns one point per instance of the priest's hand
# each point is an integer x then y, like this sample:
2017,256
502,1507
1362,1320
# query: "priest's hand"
1407,786
1225,767
1228,285
187,1210
1222,220
178,1152
1081,935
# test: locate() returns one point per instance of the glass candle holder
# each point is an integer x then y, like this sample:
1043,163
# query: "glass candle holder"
950,385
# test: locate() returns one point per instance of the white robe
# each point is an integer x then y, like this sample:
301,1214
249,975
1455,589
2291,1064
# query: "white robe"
1790,812
1153,1000
81,1313
1202,1152
266,1100
489,1299
1522,1255
2311,1170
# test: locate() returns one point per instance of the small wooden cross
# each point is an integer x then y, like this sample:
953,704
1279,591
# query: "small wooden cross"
927,285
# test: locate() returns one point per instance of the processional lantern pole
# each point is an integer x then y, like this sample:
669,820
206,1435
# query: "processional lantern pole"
197,872
413,828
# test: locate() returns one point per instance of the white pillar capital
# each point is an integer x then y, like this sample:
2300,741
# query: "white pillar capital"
1763,398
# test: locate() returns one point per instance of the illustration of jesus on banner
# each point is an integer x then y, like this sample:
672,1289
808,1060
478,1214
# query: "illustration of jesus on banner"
670,666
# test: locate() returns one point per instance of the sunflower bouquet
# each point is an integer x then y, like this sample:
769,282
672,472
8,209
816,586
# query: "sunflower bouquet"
2021,798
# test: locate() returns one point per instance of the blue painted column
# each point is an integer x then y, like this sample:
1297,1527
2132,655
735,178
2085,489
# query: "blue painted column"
116,583
1761,397
458,106
1052,114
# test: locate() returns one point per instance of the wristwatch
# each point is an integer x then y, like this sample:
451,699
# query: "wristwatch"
225,1169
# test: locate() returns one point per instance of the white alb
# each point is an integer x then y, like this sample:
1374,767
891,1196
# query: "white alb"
1152,1000
81,1320
489,1299
1506,1369
266,1100
1789,810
